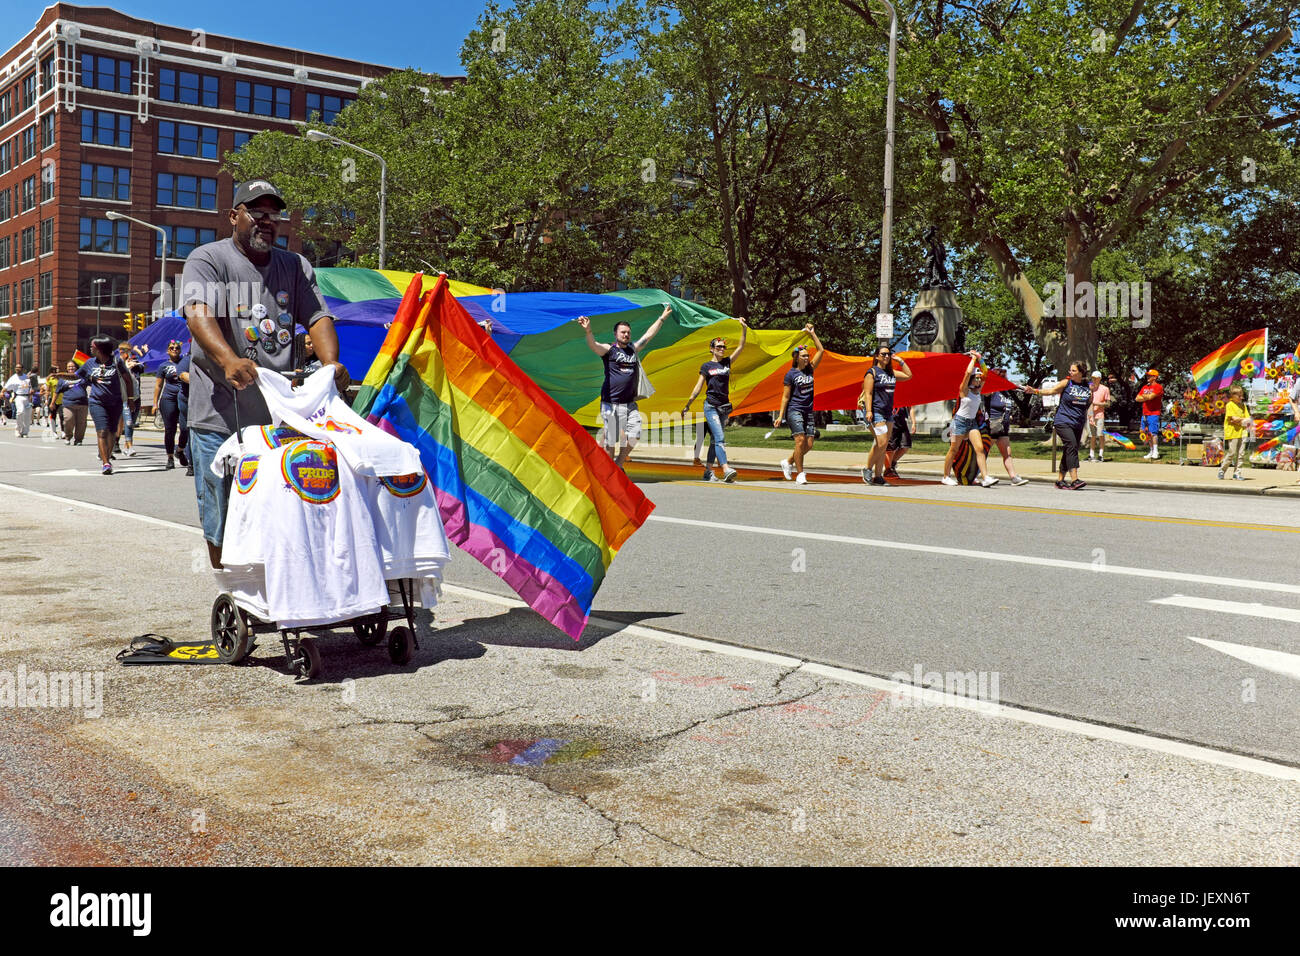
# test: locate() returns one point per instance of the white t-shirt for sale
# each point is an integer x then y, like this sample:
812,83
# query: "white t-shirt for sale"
408,527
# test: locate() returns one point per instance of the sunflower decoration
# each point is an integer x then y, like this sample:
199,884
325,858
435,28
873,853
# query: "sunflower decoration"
1169,435
1177,410
1144,437
1248,368
1272,373
1189,395
1289,365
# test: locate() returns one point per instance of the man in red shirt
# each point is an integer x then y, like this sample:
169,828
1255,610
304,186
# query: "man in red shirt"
1151,396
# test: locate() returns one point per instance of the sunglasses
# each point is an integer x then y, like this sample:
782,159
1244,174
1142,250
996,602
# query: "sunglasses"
718,345
261,215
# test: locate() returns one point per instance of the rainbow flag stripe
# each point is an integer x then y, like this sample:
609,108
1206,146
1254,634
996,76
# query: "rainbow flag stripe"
1219,368
80,358
521,486
1121,441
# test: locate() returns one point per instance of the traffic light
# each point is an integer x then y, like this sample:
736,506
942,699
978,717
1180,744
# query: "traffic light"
126,323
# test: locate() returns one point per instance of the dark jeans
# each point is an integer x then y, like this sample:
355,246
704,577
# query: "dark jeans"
1069,436
173,418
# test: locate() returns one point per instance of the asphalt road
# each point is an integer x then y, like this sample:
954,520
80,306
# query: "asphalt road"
1057,594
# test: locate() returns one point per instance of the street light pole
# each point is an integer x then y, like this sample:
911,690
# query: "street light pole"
320,136
97,284
886,231
114,214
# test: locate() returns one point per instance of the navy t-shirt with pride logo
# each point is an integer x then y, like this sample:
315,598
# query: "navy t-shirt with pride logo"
801,390
620,375
717,381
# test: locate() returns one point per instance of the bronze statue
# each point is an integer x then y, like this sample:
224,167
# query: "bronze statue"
936,272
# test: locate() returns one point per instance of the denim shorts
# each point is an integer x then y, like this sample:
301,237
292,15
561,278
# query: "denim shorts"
800,423
212,491
877,417
1151,424
961,425
105,417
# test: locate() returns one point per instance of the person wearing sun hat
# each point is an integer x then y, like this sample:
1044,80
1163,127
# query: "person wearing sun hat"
1151,396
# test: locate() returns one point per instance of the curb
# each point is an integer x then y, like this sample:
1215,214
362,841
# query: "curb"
1272,491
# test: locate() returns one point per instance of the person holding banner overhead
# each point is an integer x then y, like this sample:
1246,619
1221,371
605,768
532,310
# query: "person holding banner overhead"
966,423
797,402
1075,397
715,381
877,402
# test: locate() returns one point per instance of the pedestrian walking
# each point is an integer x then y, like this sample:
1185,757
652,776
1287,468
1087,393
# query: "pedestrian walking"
1070,414
131,405
1151,396
18,388
618,393
877,403
72,390
54,402
966,424
1100,401
797,403
107,380
167,399
1000,408
900,439
1237,423
715,380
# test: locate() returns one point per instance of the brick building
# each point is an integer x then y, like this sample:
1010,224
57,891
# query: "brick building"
103,112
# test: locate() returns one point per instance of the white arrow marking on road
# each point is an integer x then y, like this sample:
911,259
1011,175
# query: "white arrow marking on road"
1254,609
1041,562
1277,661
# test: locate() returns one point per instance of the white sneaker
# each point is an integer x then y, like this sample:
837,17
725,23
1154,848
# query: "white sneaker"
801,479
989,481
729,475
1091,456
1155,456
948,480
785,469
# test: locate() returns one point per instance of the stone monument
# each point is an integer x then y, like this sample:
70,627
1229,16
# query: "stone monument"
936,325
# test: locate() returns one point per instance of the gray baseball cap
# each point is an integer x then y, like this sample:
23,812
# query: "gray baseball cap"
255,189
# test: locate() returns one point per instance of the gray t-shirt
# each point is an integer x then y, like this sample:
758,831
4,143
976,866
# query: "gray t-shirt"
256,308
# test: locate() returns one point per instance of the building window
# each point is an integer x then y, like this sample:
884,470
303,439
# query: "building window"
182,240
241,139
47,182
6,107
106,129
47,131
29,142
191,192
47,74
29,243
103,235
326,106
181,86
4,252
105,182
46,290
47,236
29,193
186,139
262,99
4,300
5,158
4,210
105,73
115,290
28,287
29,90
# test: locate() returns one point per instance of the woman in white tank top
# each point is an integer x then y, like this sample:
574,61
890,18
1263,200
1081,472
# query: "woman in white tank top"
965,423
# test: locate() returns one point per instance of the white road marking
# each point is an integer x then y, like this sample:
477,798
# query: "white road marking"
37,443
1254,609
1277,661
1131,738
1033,560
1064,724
118,469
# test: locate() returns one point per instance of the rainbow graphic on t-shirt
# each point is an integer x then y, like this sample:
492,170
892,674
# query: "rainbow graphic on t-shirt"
330,425
405,486
311,469
246,474
277,435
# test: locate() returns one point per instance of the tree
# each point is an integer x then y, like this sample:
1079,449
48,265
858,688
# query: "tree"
1063,128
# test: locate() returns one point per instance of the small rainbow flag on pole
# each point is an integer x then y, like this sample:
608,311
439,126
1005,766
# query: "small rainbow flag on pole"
1220,367
521,486
1121,441
80,358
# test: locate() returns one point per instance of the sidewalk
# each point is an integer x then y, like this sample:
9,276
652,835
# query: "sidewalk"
1163,475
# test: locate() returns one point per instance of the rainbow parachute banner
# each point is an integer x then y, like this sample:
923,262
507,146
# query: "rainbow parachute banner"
521,486
539,333
1220,367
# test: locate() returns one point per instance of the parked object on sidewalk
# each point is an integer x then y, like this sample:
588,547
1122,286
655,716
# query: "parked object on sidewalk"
1212,452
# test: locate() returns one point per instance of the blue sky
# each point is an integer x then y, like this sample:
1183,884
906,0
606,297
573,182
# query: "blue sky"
398,33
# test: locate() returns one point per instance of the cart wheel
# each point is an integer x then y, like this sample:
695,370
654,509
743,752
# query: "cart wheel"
229,630
401,645
371,630
308,662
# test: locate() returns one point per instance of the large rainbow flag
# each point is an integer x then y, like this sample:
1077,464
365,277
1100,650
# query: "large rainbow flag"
1220,367
521,486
